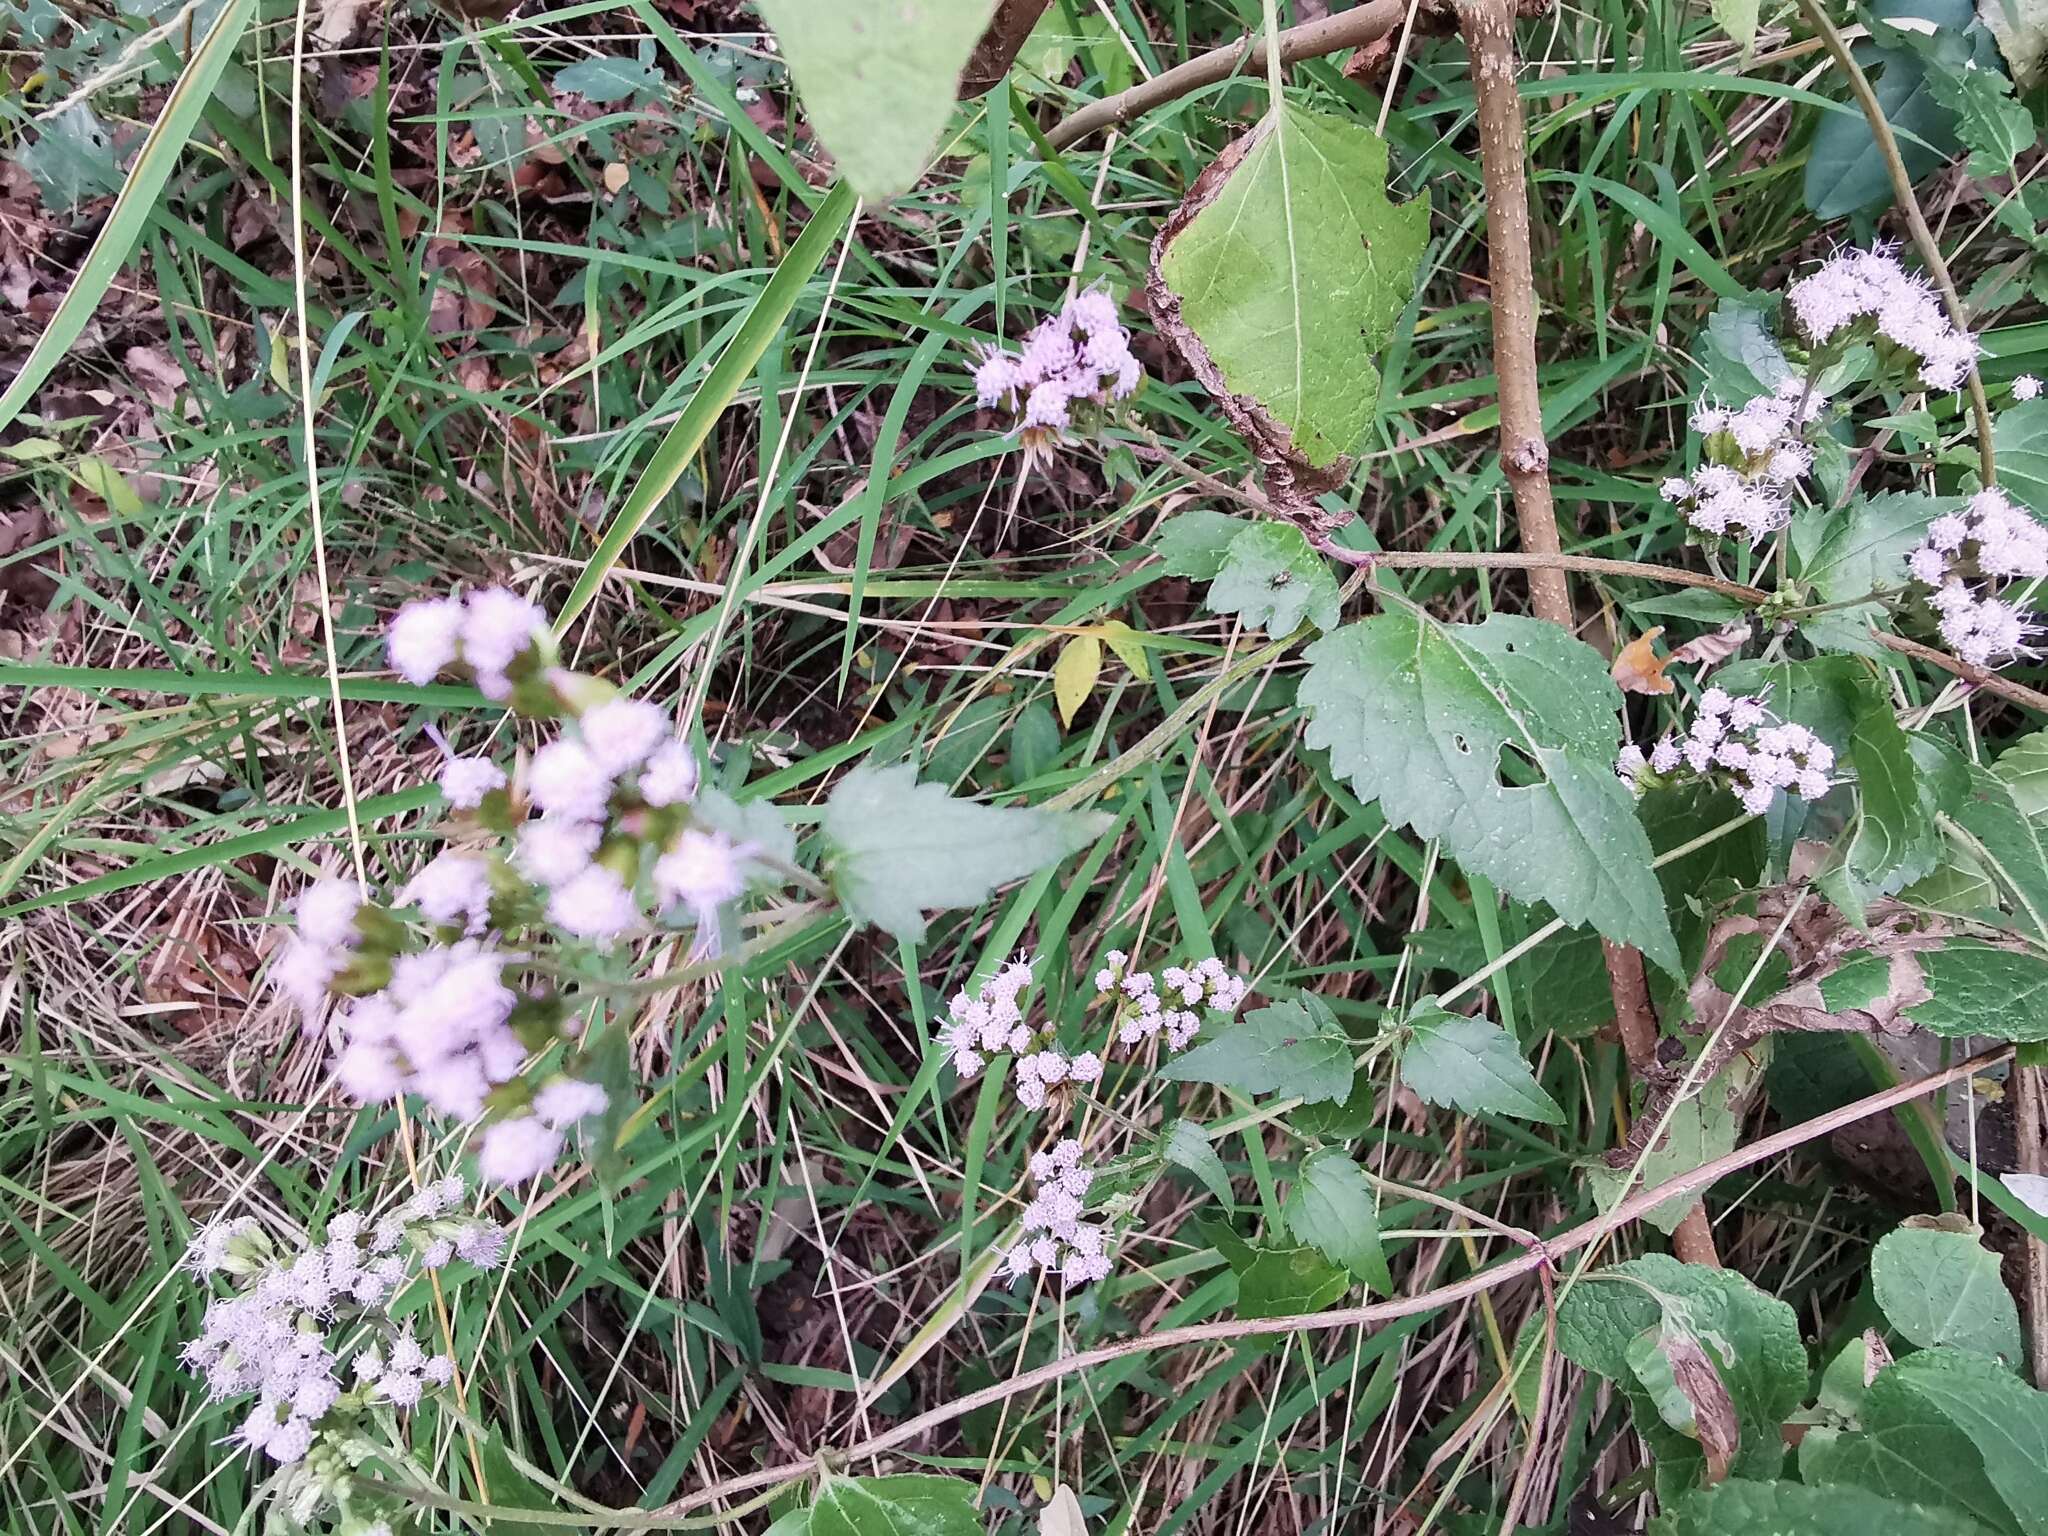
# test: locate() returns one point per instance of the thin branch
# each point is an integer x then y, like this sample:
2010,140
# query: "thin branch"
1526,1263
1361,24
1916,222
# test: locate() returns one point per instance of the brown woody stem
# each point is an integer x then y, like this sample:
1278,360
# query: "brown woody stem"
1488,27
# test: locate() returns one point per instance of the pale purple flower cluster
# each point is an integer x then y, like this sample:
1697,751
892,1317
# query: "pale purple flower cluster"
1758,455
1735,738
992,1021
2026,387
1056,1240
324,945
1143,1011
1853,286
1081,354
487,632
1968,560
292,1313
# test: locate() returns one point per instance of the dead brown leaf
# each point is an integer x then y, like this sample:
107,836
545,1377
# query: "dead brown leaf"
1639,669
1706,651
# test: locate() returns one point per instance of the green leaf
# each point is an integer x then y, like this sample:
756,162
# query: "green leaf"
607,78
1997,844
2020,438
1896,838
1290,268
1129,646
1994,127
1272,579
1936,1285
1700,1130
1194,543
1742,1508
1295,1049
878,78
1738,19
1472,1064
71,159
1862,549
908,1504
1337,1120
1845,170
1946,1428
1750,1339
896,849
1331,1208
1981,989
1741,356
1286,1282
1427,718
1186,1145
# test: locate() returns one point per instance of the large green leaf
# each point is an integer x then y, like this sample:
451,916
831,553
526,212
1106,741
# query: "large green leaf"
878,78
1742,1508
1896,837
1982,989
1940,1285
1283,273
1431,718
1861,549
1996,862
1450,1058
907,1504
1845,170
2021,438
1947,1428
1292,1048
1750,1339
1331,1208
896,849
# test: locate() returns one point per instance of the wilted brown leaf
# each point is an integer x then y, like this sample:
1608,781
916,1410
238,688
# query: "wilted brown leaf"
1704,651
1639,669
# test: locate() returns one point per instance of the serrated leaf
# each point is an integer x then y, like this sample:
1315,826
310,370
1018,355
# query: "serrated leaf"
1074,674
1187,1145
1683,1383
878,78
1418,715
1861,549
907,1504
1940,1286
71,158
1471,1064
1273,579
1750,1340
1279,277
1337,1120
1982,989
896,849
1295,1049
1193,543
1741,356
1896,838
1745,1508
1845,170
1332,1209
1994,127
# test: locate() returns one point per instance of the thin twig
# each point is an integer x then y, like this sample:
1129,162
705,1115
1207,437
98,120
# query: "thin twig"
1361,24
1916,222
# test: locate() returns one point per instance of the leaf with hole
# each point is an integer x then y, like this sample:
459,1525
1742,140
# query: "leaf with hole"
1498,739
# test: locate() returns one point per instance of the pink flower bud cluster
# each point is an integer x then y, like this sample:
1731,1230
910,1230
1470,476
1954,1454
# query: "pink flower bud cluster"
1082,354
1734,738
292,1313
1757,455
1969,560
1855,286
1056,1240
992,1021
1142,1011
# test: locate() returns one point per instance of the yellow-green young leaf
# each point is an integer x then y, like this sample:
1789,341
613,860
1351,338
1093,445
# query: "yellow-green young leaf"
878,78
1738,20
109,484
1280,276
1130,650
1074,674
